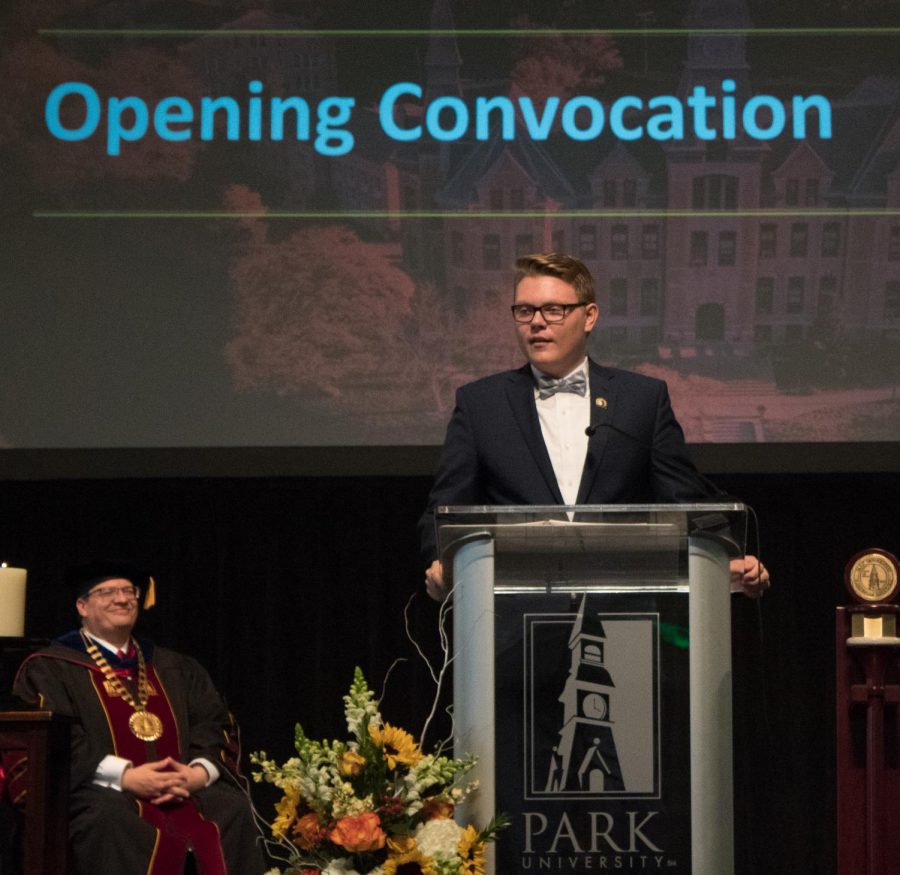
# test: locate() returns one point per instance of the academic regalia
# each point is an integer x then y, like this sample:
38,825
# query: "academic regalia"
110,830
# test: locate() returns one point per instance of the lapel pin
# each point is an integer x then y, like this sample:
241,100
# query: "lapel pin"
600,402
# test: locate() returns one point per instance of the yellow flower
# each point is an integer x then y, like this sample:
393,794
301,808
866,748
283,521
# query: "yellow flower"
398,845
287,811
412,862
351,763
398,745
471,851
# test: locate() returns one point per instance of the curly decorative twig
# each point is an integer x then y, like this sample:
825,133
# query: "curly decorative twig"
438,673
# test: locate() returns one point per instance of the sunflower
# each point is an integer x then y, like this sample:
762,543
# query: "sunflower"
412,862
471,852
399,746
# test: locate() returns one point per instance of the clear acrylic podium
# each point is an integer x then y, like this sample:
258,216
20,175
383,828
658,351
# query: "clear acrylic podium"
592,678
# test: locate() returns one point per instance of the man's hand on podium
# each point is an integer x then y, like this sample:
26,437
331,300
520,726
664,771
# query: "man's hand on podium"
434,581
751,575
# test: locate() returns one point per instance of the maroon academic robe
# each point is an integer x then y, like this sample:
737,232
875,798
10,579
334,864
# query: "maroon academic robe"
112,831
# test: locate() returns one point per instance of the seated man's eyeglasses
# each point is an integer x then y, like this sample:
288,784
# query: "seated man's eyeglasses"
108,593
549,312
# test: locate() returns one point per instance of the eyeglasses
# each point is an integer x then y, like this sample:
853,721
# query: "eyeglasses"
550,313
108,593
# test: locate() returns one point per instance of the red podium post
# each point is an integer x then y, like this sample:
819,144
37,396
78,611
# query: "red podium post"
868,728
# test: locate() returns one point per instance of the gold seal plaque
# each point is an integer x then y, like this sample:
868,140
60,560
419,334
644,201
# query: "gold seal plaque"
872,576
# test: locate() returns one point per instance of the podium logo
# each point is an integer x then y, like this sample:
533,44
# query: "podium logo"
592,705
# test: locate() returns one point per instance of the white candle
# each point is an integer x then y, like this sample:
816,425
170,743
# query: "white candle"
12,601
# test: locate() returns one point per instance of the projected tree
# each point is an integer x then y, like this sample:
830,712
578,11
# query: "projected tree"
31,68
316,312
324,314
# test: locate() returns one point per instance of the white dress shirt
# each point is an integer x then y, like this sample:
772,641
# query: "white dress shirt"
564,418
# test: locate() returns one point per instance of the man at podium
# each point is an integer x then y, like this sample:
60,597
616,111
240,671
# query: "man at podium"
563,429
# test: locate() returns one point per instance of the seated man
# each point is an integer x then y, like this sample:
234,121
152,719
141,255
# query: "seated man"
149,780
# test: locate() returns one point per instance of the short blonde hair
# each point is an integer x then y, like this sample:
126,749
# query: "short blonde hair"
564,267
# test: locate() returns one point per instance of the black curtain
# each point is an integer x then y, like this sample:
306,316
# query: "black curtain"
280,586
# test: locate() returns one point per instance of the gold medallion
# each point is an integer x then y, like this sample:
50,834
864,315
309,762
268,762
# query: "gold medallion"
872,576
145,726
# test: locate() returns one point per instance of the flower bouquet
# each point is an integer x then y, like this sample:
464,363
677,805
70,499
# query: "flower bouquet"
375,804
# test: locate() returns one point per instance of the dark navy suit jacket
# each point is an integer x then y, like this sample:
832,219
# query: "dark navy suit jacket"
494,452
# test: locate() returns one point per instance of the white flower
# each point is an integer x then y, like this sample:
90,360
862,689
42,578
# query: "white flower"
438,836
347,804
339,867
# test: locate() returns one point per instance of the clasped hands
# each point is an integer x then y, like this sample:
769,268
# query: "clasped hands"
748,573
165,780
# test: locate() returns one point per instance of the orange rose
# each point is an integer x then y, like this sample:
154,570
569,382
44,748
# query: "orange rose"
359,834
308,831
437,809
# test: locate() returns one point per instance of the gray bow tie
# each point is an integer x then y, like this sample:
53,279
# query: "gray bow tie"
548,386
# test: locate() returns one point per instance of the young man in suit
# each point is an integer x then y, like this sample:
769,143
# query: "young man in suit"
563,429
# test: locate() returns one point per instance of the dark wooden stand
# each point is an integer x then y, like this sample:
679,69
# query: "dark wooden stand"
868,753
45,738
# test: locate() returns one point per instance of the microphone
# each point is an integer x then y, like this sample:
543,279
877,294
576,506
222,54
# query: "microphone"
591,430
711,524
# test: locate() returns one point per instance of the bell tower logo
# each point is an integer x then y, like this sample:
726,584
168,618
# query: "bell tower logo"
585,758
604,709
